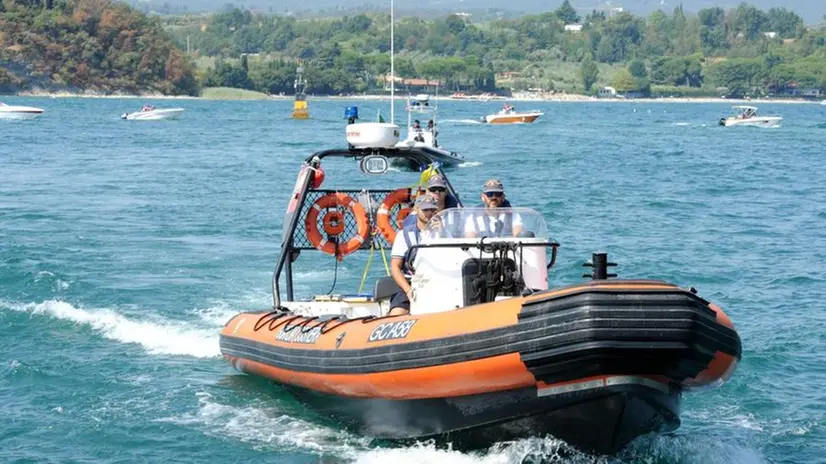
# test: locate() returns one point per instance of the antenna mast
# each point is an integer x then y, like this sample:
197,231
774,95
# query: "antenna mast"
392,68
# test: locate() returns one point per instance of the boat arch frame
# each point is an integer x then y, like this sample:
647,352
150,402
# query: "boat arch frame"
421,157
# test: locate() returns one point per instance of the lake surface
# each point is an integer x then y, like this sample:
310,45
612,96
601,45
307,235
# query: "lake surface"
126,245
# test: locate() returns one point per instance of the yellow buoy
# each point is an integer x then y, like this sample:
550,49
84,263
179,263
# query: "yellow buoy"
300,110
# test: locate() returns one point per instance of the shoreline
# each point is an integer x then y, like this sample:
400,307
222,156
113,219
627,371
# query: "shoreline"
562,98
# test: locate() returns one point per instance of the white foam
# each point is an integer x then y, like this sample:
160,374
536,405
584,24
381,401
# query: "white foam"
546,449
266,426
470,164
692,449
218,314
157,337
426,454
317,275
269,427
462,121
728,415
42,274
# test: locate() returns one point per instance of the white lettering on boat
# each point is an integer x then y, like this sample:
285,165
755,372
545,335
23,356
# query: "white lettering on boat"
391,331
297,336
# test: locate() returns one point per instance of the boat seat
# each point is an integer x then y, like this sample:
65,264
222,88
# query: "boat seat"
385,288
354,298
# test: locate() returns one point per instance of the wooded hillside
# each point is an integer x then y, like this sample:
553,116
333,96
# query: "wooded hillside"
96,45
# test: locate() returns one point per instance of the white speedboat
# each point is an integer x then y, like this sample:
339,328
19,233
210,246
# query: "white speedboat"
18,112
509,115
419,136
150,113
747,116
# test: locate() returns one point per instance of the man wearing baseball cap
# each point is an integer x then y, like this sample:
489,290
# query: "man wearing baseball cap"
437,188
496,221
402,257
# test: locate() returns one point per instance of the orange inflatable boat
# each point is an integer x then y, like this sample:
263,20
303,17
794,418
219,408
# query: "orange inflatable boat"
489,351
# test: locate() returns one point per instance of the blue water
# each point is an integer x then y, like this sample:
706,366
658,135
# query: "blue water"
124,246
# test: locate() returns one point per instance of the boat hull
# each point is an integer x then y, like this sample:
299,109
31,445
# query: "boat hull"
155,115
516,118
444,157
625,411
19,112
768,121
595,365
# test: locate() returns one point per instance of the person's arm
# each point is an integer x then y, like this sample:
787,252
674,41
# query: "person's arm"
470,230
518,228
397,262
398,276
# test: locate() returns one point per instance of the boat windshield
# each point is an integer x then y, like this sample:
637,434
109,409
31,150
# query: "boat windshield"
745,111
485,222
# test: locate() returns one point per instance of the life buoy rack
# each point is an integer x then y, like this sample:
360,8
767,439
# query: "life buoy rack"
333,225
399,197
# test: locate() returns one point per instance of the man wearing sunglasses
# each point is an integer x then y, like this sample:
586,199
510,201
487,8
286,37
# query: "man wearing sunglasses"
437,188
496,221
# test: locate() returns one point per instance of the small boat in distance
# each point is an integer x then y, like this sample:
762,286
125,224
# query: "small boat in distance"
509,115
747,116
18,112
362,134
150,113
418,136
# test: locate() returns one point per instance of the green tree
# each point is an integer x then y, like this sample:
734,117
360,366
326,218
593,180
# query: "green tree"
741,76
637,69
623,81
785,23
657,36
748,21
566,13
713,29
588,73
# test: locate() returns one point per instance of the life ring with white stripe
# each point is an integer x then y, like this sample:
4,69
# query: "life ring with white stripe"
399,197
333,225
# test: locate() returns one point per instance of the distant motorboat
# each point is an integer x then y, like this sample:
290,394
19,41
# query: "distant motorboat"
510,116
149,113
18,112
747,116
425,137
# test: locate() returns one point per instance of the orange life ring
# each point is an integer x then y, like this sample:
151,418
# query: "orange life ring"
333,225
399,197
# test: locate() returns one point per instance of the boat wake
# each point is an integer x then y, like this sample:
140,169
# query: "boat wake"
462,121
267,425
470,164
157,336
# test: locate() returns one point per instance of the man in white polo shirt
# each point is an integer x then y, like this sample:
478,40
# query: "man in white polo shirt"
402,257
